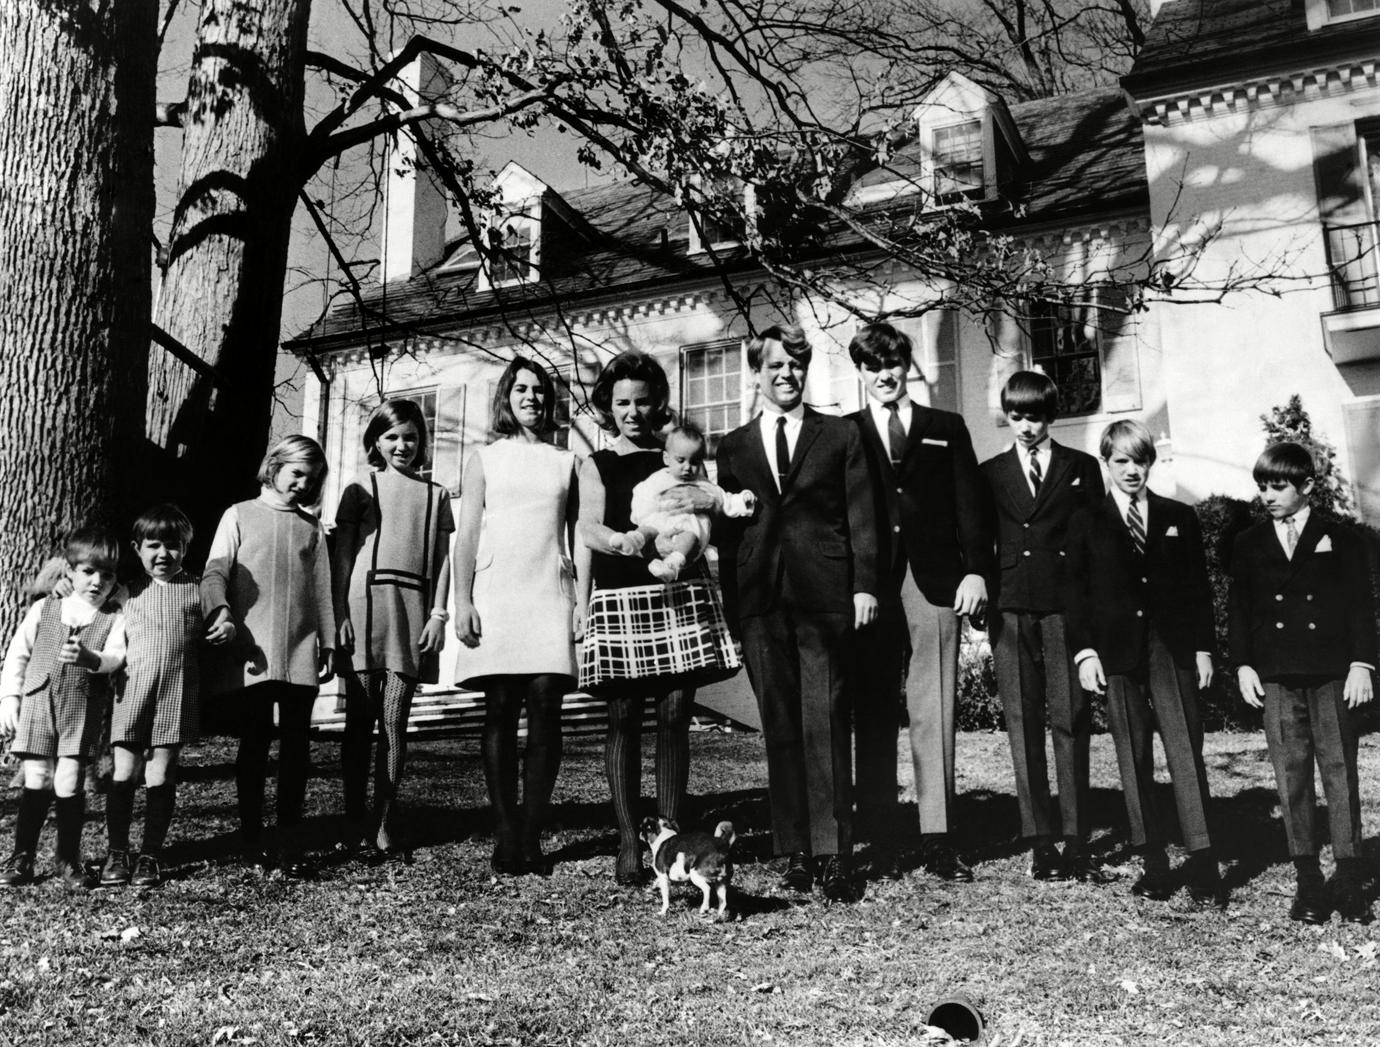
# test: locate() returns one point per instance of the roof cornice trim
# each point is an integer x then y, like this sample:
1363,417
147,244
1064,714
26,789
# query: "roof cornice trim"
1264,92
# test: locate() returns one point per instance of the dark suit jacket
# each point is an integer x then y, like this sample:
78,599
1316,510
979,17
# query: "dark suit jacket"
934,511
818,535
1031,531
1113,594
1309,616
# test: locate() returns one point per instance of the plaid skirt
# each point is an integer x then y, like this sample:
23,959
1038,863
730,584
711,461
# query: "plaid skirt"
676,634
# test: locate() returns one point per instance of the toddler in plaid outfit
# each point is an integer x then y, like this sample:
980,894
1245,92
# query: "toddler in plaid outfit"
158,709
50,702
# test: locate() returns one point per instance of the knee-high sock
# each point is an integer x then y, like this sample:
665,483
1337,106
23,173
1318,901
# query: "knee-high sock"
502,706
543,759
623,763
33,812
119,812
673,752
71,815
158,811
391,754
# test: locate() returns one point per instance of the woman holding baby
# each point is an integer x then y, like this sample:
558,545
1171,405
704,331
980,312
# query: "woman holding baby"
644,638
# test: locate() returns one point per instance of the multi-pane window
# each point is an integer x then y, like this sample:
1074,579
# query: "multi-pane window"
510,253
957,152
1343,8
1064,344
423,398
711,388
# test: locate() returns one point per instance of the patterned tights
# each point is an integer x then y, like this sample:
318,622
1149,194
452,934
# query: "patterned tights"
623,758
384,698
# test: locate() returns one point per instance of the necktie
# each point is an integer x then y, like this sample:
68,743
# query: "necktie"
1037,475
1291,536
895,434
1136,525
783,453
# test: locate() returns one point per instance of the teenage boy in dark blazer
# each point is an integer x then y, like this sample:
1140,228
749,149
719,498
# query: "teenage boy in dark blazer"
1139,611
1037,485
934,550
801,576
1301,631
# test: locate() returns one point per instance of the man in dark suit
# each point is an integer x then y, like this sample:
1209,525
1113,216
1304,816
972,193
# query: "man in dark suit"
934,550
1139,612
801,576
1301,631
1037,486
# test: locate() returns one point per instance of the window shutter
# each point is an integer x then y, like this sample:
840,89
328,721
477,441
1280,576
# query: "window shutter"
1119,338
1337,170
449,442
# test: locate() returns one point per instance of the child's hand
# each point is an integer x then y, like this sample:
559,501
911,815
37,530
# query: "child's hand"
324,659
222,628
864,610
433,636
9,716
577,623
1091,676
467,626
345,635
62,588
1203,661
749,502
1358,688
1248,680
74,652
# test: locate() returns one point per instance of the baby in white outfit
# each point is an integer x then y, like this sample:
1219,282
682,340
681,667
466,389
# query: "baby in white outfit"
680,537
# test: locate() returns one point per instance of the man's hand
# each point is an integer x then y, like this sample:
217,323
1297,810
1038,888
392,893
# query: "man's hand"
864,610
971,598
1248,681
1091,676
1358,688
1203,662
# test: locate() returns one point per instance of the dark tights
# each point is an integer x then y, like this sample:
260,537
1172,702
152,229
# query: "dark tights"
518,827
294,756
623,759
384,698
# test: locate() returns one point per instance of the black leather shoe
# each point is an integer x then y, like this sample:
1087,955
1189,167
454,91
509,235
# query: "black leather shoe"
18,870
1047,864
1155,881
146,872
836,879
1350,901
882,864
798,877
507,861
1310,902
538,864
115,872
74,877
940,858
254,858
1080,865
1204,879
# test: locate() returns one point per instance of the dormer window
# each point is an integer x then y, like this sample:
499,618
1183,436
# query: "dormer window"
511,251
1329,12
956,153
722,218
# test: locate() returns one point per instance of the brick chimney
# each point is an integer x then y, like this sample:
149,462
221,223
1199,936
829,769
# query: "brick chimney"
414,206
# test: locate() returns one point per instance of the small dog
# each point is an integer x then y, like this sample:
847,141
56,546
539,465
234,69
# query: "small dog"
696,857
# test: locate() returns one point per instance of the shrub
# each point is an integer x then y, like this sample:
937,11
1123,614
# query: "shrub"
979,706
1331,493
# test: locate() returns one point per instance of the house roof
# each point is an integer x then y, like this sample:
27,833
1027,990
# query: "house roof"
1086,160
1199,43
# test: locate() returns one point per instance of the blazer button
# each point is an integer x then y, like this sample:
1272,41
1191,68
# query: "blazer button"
1279,596
1145,581
1311,625
1140,614
1309,596
896,529
1025,525
899,491
1026,553
1279,625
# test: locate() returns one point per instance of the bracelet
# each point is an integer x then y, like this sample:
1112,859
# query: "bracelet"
441,613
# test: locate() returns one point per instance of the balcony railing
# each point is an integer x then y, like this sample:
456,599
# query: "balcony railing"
1352,259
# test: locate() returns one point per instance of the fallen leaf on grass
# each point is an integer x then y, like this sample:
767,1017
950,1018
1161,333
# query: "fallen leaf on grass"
764,987
1334,950
1129,986
129,934
1367,951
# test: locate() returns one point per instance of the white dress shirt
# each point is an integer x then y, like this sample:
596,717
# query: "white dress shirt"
766,423
881,417
1039,452
76,613
1123,506
1300,519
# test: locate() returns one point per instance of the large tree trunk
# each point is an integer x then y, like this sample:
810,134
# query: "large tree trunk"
66,354
211,395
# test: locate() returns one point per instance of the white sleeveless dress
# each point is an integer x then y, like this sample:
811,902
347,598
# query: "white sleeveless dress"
524,589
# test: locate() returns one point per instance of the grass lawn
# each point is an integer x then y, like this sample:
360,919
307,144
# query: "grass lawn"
438,952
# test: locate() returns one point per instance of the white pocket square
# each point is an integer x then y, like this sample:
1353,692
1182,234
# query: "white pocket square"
934,443
1172,532
1324,546
1076,481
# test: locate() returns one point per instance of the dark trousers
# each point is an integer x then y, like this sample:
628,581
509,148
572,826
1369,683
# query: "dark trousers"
1164,693
1036,677
256,705
913,646
795,661
1303,722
